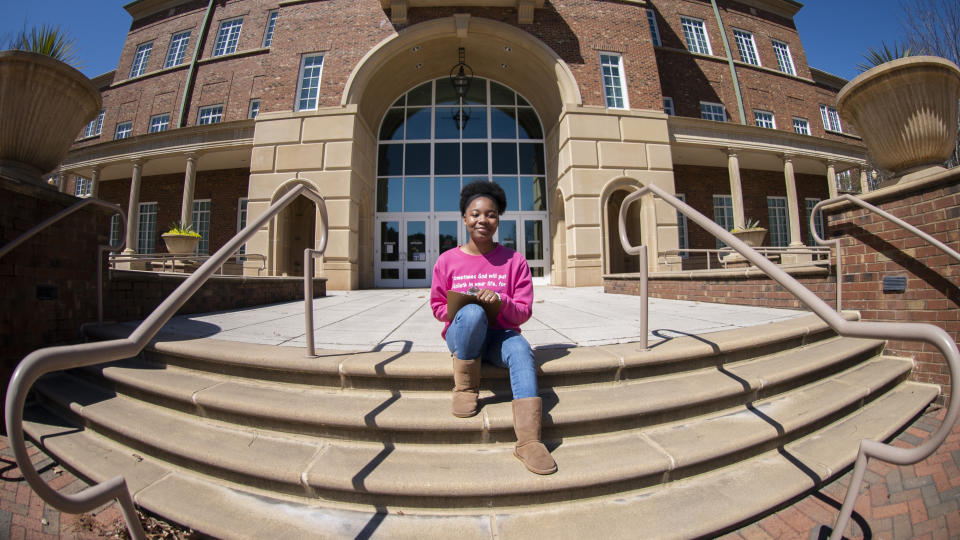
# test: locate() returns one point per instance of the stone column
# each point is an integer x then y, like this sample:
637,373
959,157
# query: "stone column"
189,183
64,176
793,207
736,188
864,183
95,182
133,208
832,179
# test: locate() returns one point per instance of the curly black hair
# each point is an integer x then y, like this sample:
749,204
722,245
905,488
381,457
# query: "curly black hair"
483,188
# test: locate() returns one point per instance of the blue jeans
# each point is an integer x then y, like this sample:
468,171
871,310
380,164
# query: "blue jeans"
468,337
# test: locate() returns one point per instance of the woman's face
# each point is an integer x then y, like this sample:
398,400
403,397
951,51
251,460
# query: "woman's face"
482,220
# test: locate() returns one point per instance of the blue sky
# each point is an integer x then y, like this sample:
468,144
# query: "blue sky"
835,33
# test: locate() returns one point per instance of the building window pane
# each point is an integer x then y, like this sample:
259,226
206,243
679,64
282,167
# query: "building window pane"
713,111
818,223
308,89
140,59
242,221
683,238
271,25
831,120
227,37
723,213
254,110
147,232
747,47
695,33
779,227
201,224
764,119
159,123
784,60
654,29
115,230
124,129
177,50
210,115
95,126
614,85
83,187
801,126
668,106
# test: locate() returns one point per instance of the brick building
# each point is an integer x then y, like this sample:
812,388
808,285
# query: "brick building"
218,108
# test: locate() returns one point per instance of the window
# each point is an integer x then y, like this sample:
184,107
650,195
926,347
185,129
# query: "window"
668,106
614,86
177,49
159,123
140,59
147,232
831,120
83,187
683,240
212,114
784,60
271,25
723,213
696,35
227,37
779,228
201,224
747,47
308,88
801,126
242,220
818,224
654,31
94,127
115,230
764,119
254,109
123,130
713,111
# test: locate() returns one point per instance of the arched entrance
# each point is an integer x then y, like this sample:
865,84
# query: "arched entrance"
429,146
618,261
296,226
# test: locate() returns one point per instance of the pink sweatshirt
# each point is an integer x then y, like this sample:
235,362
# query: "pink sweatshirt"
503,271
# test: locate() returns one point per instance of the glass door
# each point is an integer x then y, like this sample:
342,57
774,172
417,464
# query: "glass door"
417,266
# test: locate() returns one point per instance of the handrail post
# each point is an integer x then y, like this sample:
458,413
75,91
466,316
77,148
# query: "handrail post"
308,300
645,302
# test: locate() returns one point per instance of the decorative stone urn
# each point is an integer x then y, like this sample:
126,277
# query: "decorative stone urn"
906,112
43,105
180,244
751,237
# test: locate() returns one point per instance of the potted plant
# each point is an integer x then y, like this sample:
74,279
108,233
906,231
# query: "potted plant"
752,234
44,102
181,239
905,109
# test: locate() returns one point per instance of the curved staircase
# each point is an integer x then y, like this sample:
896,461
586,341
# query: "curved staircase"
693,437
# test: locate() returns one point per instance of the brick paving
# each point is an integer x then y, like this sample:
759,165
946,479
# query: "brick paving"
921,501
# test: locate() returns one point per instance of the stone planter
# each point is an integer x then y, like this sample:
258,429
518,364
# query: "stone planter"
43,103
180,244
751,237
906,112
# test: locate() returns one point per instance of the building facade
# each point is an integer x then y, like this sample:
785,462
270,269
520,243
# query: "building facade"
218,107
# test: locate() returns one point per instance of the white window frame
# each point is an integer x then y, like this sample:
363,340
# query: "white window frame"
614,80
95,126
83,187
723,213
668,106
228,36
114,230
211,114
810,202
123,130
784,58
270,28
242,204
158,123
253,110
695,34
831,119
308,94
140,59
801,126
654,28
177,50
200,219
683,235
779,223
709,111
747,46
147,228
764,119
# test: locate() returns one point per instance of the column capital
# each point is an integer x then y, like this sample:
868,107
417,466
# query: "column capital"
787,157
732,152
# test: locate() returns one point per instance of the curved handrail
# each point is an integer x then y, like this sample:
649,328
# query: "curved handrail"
889,217
59,358
100,249
927,333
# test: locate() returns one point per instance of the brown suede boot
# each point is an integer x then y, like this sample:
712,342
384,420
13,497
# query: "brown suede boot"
527,414
466,386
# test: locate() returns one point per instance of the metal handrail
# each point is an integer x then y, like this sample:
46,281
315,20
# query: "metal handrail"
889,217
50,359
924,332
820,254
100,249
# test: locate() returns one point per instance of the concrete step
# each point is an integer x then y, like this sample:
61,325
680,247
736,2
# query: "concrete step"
695,506
478,475
423,416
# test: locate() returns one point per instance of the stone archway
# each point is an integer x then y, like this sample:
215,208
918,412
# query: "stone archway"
296,231
618,261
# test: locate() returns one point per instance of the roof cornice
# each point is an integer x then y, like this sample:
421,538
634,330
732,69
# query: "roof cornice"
784,8
139,9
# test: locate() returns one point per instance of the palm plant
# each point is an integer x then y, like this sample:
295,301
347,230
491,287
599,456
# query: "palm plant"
884,54
47,40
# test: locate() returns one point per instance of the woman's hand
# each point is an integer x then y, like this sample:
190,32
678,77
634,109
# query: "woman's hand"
486,296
